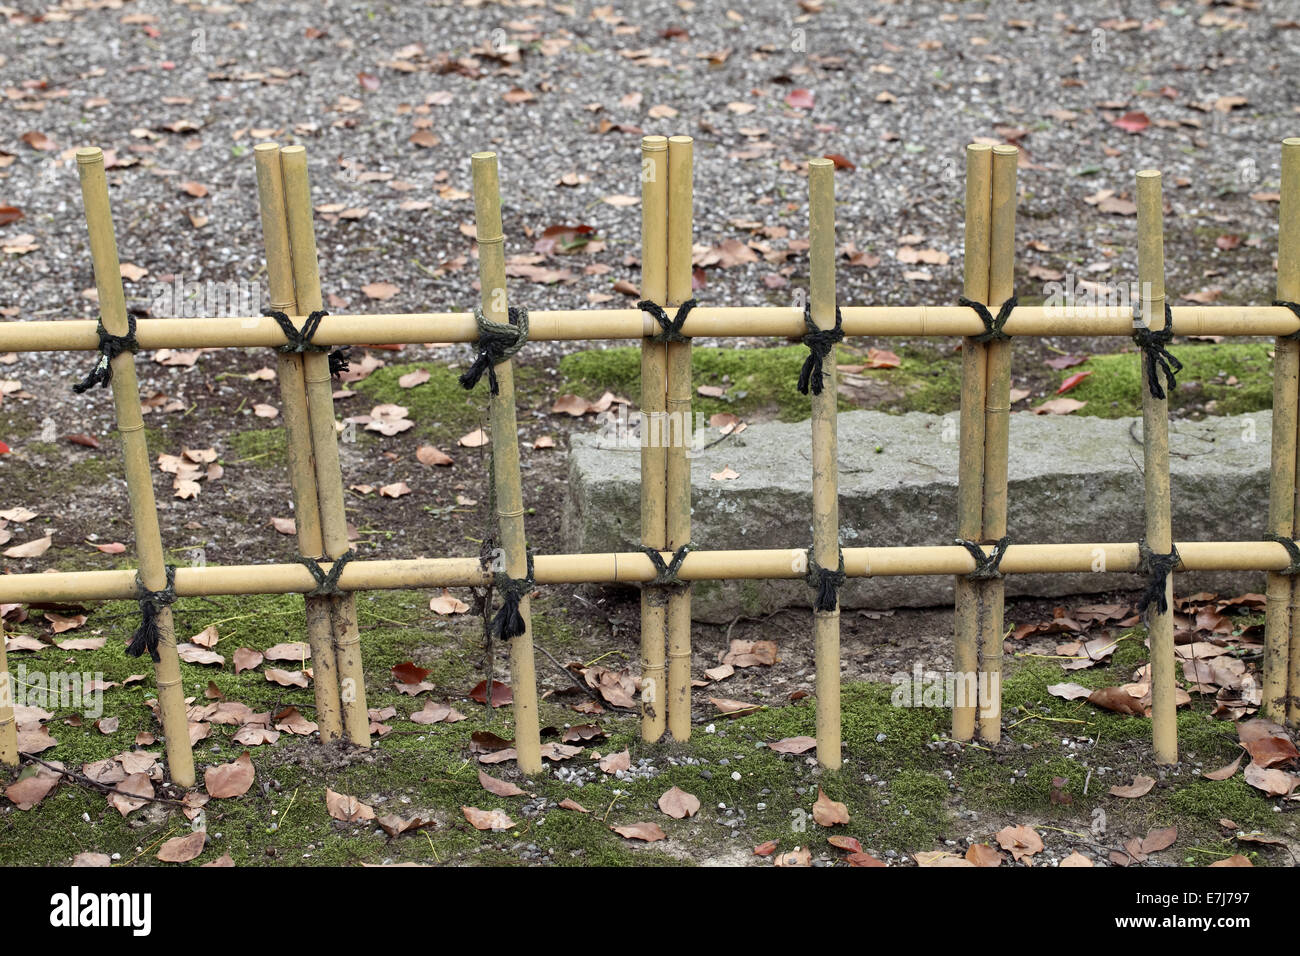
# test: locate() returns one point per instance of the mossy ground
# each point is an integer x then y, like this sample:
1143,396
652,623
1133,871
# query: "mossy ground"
1235,377
906,788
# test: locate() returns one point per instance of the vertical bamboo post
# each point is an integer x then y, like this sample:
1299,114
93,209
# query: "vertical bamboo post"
297,427
505,457
325,449
1155,468
678,465
970,475
997,411
825,456
139,478
8,727
654,286
1284,658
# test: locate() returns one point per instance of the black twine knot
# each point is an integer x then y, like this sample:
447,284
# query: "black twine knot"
987,566
508,622
666,574
146,635
671,327
300,340
1294,307
1157,567
326,583
110,347
826,581
1292,552
497,341
1158,358
992,323
820,342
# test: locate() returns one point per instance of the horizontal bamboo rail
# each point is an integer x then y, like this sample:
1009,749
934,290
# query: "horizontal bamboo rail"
559,325
633,567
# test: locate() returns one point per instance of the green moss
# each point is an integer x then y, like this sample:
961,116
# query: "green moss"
258,446
1112,390
766,379
441,408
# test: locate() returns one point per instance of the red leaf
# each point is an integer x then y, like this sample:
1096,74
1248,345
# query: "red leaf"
1072,381
501,693
799,99
4,449
839,161
1133,122
408,673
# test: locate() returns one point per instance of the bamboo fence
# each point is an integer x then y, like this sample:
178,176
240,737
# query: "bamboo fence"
666,238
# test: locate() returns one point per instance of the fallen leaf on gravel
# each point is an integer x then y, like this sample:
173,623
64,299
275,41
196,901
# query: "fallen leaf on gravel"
1076,859
380,290
207,637
613,763
501,693
981,854
347,808
1020,841
502,788
721,672
92,859
649,832
568,804
557,752
727,474
35,741
284,525
113,547
231,779
475,439
799,856
1158,840
30,549
1069,691
845,843
827,812
487,819
395,490
81,644
291,721
765,849
794,745
863,859
182,849
137,784
428,455
940,858
1118,700
1266,742
254,735
1235,860
677,803
107,725
1140,787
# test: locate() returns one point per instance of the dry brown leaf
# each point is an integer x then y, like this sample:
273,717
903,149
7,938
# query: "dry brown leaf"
827,812
487,819
231,779
1021,842
649,832
1140,787
347,808
182,849
501,788
678,804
